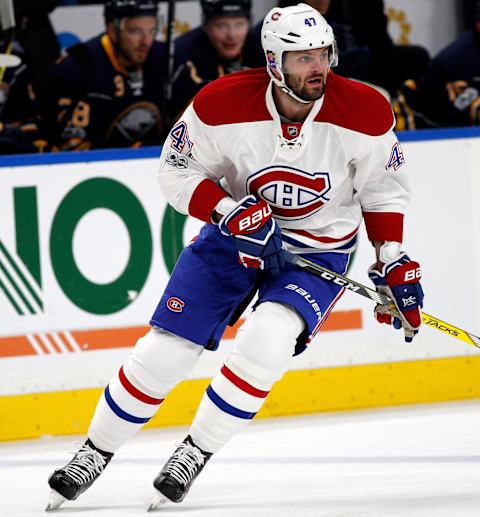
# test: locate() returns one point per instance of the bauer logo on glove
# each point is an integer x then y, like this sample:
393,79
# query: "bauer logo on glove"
250,222
399,279
255,234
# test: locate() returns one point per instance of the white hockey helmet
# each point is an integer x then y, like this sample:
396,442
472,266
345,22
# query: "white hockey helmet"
299,27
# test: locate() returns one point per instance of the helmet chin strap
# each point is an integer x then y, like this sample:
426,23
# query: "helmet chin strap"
283,86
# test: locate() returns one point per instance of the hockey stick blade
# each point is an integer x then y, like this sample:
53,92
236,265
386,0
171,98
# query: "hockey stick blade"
367,292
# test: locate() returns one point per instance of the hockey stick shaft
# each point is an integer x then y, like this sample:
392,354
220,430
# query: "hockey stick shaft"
367,292
170,36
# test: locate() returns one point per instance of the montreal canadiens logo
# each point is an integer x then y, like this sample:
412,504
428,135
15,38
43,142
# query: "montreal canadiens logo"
292,193
175,304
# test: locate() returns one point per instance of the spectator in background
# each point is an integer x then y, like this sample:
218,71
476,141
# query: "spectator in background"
353,57
35,34
24,87
390,64
210,51
471,11
448,94
107,92
366,51
20,113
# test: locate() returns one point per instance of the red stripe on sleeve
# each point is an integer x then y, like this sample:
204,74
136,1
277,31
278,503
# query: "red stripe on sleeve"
243,385
204,200
136,393
384,226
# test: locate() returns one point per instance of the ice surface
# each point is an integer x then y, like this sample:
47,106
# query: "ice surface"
406,462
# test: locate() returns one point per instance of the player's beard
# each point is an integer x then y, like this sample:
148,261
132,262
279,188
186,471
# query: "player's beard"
300,89
131,58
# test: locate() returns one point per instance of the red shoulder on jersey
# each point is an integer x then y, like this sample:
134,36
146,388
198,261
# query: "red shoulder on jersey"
355,106
235,98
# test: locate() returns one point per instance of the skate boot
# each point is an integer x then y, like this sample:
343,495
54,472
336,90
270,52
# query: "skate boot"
77,475
178,474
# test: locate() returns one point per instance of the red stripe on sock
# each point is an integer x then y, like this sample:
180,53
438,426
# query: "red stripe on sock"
136,393
243,385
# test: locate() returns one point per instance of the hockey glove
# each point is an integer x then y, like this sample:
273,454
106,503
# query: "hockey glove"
256,235
400,280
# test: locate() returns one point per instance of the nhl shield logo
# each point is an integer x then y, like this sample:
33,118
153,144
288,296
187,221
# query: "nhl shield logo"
292,193
292,130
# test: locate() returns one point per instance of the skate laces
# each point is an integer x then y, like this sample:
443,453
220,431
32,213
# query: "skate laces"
184,463
86,463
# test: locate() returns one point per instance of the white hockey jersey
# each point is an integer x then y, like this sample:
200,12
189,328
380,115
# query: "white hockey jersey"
319,177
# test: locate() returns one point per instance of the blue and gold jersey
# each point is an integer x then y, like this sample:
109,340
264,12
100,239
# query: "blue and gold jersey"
196,65
96,103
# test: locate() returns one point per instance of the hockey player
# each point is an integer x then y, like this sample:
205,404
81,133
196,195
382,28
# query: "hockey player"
107,92
211,51
448,94
292,156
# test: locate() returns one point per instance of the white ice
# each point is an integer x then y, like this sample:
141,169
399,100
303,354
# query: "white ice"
405,462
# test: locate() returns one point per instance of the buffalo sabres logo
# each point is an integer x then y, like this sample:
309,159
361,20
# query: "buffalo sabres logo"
291,193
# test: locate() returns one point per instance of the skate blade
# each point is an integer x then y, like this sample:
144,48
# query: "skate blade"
158,500
54,501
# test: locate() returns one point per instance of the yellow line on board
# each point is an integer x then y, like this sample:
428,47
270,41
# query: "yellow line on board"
299,392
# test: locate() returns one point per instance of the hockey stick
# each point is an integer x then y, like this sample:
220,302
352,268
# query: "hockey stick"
170,64
367,292
7,21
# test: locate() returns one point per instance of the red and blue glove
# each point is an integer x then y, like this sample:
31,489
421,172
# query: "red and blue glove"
400,280
256,235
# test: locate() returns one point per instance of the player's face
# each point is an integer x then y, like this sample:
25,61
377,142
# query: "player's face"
136,37
306,72
227,34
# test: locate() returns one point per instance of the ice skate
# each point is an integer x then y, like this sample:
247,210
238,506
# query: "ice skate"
72,480
54,501
178,474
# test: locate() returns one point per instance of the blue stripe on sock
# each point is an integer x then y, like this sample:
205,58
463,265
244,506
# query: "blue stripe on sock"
120,412
225,406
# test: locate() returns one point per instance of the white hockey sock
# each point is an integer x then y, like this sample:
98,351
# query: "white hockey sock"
121,412
228,405
261,355
159,361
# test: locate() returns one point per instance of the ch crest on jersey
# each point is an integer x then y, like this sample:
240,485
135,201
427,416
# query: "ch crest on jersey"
396,159
291,193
